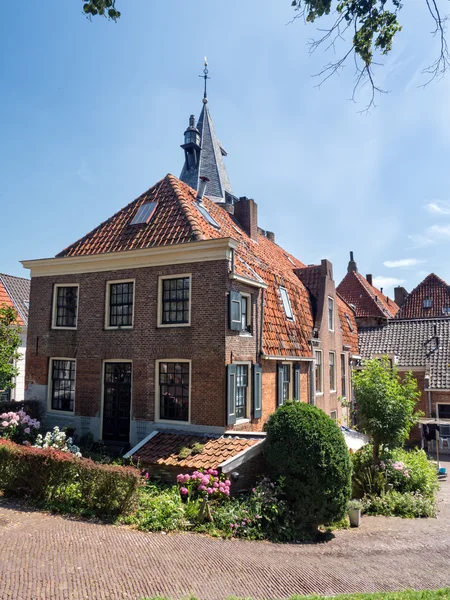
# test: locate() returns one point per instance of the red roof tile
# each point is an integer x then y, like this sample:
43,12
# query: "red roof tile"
367,299
176,220
432,288
348,324
164,449
7,300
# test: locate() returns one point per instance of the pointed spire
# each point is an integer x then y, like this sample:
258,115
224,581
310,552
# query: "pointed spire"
352,266
204,153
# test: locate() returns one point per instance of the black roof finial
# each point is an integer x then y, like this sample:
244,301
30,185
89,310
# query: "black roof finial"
205,77
352,266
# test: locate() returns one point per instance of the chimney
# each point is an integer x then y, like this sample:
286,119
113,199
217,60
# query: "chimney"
326,268
369,279
246,213
270,236
201,188
400,295
352,266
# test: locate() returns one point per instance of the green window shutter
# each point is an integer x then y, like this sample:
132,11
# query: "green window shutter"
231,394
257,391
234,311
297,381
280,385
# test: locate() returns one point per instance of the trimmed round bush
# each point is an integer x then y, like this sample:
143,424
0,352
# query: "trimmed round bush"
306,451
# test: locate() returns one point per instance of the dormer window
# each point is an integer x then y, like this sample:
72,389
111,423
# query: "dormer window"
286,303
427,303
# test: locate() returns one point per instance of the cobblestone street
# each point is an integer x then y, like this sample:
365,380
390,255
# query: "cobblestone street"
44,557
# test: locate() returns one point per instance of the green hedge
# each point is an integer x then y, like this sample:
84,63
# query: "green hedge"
61,481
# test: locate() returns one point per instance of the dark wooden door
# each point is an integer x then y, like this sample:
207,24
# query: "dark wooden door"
117,402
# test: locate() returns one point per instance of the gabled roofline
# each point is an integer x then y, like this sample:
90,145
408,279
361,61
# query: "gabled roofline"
188,252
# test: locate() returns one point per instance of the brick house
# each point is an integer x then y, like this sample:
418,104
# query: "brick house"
15,292
180,316
429,300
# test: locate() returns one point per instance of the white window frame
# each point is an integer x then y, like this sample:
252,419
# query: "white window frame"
332,313
55,299
291,379
318,393
102,398
109,283
332,352
248,298
50,387
249,389
334,415
162,278
344,375
281,288
158,399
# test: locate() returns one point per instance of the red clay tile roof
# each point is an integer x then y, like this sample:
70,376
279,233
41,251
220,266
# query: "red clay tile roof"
14,292
367,299
348,324
432,288
311,277
163,449
176,220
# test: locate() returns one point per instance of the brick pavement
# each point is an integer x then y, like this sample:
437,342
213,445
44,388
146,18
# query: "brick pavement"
45,557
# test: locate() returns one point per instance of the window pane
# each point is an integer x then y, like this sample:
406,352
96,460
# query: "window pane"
175,300
318,371
63,385
241,391
66,306
286,303
332,371
330,314
343,376
174,391
121,304
286,382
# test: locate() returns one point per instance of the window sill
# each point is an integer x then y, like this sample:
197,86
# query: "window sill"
246,334
172,422
319,393
118,327
165,325
56,328
64,413
242,421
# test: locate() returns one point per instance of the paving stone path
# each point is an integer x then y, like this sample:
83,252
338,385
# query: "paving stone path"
45,557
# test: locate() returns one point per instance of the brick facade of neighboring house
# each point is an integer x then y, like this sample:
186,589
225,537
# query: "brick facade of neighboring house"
15,292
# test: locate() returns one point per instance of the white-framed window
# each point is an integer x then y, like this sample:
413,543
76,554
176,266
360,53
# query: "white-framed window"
287,382
349,323
333,415
332,368
65,305
61,385
119,304
319,372
243,390
428,303
330,314
174,300
343,376
173,390
246,313
286,303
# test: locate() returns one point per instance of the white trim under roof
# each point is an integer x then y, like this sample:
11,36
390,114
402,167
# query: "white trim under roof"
247,281
174,254
279,357
236,461
138,446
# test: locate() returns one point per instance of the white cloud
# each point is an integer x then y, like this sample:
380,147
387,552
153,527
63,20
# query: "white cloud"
403,262
439,230
420,241
439,207
386,282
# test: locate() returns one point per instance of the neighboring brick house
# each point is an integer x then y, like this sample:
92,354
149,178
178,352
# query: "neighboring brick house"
422,346
371,306
179,314
15,292
429,300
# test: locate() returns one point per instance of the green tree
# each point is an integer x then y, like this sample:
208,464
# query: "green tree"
306,450
9,345
385,403
104,8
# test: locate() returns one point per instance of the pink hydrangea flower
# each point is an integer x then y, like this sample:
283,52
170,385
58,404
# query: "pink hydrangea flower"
227,482
215,484
226,492
180,478
184,491
146,475
254,490
5,424
201,488
210,490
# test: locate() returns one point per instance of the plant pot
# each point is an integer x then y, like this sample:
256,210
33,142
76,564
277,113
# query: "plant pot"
354,514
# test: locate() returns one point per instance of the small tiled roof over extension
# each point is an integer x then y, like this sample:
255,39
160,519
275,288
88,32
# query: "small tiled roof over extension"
416,343
177,220
164,449
15,292
429,300
367,299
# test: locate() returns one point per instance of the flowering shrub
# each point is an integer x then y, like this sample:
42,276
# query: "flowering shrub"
57,440
408,505
18,427
204,484
64,482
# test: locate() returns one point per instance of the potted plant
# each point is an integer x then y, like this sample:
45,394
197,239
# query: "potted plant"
354,512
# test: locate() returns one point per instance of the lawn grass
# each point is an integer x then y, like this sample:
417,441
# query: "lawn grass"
443,594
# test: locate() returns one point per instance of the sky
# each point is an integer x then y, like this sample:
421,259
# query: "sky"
92,114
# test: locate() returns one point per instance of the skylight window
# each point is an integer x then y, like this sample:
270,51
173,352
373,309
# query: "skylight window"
427,303
446,310
349,323
286,303
205,214
144,214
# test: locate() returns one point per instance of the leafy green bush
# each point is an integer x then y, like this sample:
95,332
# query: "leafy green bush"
421,473
61,481
397,504
160,509
306,449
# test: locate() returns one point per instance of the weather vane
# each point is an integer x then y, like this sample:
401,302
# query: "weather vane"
205,77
